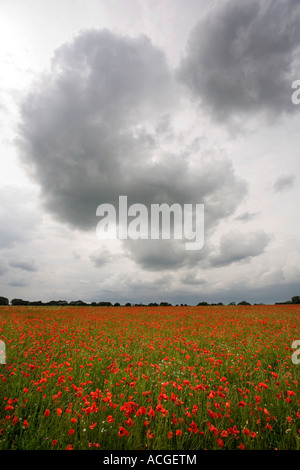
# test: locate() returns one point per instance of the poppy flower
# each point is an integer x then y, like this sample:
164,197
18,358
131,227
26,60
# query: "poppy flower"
123,432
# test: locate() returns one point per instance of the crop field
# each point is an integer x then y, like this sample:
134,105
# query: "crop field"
157,378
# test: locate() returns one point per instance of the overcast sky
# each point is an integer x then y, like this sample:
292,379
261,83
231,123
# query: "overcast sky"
163,101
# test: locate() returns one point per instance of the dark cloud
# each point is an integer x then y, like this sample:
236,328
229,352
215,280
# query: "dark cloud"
246,216
83,135
242,58
156,255
192,279
93,129
283,183
20,283
101,259
26,265
239,247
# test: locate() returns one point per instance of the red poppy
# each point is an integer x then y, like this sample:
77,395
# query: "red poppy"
123,432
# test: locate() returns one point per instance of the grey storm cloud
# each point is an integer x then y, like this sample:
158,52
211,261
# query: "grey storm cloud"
191,279
156,255
242,58
101,259
25,265
246,216
239,247
283,183
91,129
20,283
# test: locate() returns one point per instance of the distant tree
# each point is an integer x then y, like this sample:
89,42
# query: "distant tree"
153,304
19,302
296,299
202,304
116,304
232,303
77,303
165,304
3,301
244,303
128,304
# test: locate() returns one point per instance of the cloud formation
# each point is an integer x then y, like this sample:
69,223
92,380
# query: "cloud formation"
25,265
101,259
239,247
283,183
246,216
96,127
242,58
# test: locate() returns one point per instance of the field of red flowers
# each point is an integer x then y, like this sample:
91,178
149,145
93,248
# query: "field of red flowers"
166,378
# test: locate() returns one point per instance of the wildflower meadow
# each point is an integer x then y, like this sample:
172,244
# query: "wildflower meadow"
152,378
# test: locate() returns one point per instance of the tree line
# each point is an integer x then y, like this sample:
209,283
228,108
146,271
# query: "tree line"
80,303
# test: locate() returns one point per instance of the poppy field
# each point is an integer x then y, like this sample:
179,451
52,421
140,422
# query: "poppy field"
155,378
